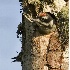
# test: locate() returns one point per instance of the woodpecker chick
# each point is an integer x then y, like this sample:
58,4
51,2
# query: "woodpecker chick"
45,23
47,15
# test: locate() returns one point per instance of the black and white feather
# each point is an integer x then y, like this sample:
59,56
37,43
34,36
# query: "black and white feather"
46,24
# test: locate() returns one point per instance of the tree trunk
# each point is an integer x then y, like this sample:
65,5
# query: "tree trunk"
35,48
41,51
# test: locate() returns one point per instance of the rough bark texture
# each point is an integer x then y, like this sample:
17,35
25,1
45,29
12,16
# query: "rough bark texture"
35,49
42,52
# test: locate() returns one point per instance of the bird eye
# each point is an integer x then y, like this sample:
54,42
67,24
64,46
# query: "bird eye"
42,19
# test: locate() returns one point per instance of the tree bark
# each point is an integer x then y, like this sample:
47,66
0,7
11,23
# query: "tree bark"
35,48
41,52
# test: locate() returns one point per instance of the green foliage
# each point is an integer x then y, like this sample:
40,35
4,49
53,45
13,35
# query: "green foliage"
63,25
